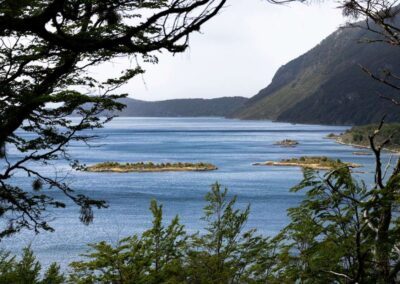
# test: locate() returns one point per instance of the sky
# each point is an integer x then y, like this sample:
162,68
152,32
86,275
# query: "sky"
237,53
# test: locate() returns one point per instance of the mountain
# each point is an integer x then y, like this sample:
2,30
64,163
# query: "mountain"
183,107
327,86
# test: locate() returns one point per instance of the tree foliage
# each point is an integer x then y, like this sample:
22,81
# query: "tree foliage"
154,257
224,254
27,270
46,48
344,231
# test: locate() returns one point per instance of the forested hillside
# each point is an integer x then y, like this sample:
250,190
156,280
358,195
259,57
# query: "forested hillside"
327,85
183,107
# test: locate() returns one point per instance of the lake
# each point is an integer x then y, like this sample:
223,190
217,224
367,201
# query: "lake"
232,145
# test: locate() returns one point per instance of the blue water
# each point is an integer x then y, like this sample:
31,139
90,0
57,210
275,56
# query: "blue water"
232,145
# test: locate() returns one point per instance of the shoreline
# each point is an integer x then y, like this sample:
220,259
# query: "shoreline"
233,118
141,167
303,165
119,170
287,164
310,162
359,146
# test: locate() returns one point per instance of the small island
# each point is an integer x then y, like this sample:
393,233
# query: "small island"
287,143
332,136
317,163
362,153
148,167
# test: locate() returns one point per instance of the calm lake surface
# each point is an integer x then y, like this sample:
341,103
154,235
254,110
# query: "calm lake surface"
232,145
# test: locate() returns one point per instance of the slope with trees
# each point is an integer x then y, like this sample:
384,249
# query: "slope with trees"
359,136
327,85
221,107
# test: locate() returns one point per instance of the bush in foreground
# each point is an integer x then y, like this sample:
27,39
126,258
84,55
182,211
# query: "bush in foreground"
342,232
167,254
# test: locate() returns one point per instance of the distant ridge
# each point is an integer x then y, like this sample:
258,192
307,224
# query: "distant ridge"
222,107
327,86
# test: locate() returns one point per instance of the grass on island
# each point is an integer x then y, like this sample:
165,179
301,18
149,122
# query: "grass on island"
332,136
149,167
318,163
358,136
287,143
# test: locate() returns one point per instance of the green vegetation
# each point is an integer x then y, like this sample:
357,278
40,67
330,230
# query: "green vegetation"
225,253
342,232
46,52
359,136
270,104
287,143
167,254
27,270
332,136
321,163
149,167
326,84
